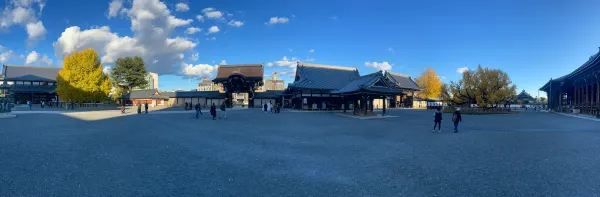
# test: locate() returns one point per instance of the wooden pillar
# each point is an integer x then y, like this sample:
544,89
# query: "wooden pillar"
384,98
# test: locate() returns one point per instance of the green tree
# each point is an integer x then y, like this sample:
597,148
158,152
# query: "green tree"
129,72
430,83
485,87
81,79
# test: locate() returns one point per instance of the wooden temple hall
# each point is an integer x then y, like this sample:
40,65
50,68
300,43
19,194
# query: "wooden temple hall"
325,87
578,91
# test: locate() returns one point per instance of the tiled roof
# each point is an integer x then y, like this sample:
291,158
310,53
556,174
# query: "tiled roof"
247,70
404,81
269,94
372,83
146,94
196,94
593,63
30,73
323,77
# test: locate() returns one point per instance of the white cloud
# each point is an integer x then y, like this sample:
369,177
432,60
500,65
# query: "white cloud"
277,20
5,54
106,70
223,62
212,13
461,70
385,66
35,30
24,13
235,23
200,18
35,58
182,7
199,70
213,29
311,50
285,62
192,30
114,8
152,25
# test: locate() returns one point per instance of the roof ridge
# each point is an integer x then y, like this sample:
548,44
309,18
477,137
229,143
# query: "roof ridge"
398,74
347,68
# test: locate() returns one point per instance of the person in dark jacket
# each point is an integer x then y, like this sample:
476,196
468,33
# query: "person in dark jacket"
198,109
213,111
437,119
456,118
146,107
223,111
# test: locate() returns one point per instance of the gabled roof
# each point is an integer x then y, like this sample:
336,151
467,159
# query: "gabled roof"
593,63
145,94
246,70
524,96
29,73
372,83
323,77
196,94
404,81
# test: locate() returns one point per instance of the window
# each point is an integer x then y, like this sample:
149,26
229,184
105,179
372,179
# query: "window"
36,83
20,83
10,82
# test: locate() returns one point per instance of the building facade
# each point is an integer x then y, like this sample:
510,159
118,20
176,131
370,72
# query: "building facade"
208,85
578,91
30,83
321,87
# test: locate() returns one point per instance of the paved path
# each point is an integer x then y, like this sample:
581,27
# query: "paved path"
297,154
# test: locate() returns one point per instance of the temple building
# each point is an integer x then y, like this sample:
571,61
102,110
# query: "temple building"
578,91
325,87
239,82
30,83
314,84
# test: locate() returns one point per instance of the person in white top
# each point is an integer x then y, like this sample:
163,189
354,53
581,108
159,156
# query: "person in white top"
269,106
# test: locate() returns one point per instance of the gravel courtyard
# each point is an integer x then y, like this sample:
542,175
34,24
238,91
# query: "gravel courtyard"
297,154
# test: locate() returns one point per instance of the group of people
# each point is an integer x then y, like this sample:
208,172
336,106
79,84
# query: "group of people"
139,108
437,120
269,107
213,110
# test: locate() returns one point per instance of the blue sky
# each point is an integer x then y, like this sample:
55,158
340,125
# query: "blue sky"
531,40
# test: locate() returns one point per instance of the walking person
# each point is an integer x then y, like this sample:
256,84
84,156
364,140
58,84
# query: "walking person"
456,118
198,109
223,111
213,111
270,107
265,107
146,107
29,104
437,119
139,108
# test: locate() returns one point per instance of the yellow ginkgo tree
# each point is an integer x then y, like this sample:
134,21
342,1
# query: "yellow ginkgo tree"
81,79
430,84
